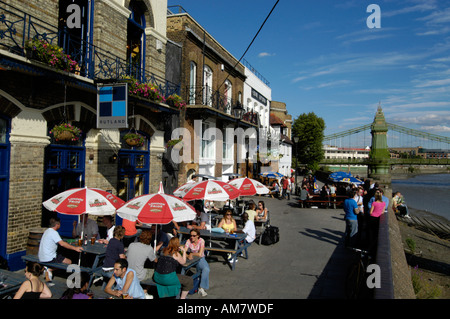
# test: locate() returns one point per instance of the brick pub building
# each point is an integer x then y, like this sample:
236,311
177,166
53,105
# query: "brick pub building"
111,41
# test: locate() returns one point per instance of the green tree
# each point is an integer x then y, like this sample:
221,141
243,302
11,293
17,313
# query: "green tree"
309,128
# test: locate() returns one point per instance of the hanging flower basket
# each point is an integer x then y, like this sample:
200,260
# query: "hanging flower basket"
134,139
176,101
50,54
66,132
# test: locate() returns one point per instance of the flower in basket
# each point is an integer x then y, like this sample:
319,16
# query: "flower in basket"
66,132
172,143
146,90
176,101
134,139
51,54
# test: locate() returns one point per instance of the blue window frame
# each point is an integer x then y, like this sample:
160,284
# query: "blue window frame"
133,173
64,169
4,182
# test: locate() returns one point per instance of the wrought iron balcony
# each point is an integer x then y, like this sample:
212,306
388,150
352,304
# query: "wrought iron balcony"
17,27
204,95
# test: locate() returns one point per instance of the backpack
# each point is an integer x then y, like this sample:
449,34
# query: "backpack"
270,235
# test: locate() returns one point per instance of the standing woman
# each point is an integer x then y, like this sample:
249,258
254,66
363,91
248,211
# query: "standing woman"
196,246
228,223
168,282
376,211
33,287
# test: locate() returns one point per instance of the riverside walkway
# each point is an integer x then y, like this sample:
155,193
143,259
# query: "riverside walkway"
309,261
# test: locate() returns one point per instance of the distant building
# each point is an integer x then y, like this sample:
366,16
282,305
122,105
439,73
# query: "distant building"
334,152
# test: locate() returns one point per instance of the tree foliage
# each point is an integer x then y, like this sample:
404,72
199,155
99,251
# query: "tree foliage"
309,128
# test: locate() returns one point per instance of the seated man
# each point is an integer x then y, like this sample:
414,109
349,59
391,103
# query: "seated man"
86,225
399,206
127,284
49,244
202,220
275,190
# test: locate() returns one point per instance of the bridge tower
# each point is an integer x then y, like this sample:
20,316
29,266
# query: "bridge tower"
379,168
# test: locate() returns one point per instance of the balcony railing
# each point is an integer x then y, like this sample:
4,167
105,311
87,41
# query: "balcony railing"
204,95
17,27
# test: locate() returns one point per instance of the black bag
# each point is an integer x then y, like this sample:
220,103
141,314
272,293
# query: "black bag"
270,236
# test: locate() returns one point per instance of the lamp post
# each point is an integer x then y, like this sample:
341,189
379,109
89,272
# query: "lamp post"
237,112
296,139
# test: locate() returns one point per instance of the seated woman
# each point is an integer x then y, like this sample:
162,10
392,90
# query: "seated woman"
33,287
228,223
78,292
114,251
261,211
168,282
196,246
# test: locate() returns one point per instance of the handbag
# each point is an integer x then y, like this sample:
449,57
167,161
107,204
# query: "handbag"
217,230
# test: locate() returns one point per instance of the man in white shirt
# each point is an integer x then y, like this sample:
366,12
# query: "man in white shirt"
49,245
248,229
86,226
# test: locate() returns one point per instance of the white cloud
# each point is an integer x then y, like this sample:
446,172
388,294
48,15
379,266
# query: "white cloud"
265,54
434,83
436,128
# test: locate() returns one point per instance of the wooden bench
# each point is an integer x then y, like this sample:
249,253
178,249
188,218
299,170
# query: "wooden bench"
234,253
35,258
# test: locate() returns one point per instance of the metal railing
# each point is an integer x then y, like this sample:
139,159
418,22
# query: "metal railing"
205,95
17,27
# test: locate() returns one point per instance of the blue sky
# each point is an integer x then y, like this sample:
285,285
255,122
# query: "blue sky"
320,56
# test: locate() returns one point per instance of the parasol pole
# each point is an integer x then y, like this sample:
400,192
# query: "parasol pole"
82,240
156,238
209,220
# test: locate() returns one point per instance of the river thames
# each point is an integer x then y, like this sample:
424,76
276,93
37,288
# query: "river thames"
429,193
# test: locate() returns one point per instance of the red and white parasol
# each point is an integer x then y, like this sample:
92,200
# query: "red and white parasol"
207,190
248,186
77,201
157,209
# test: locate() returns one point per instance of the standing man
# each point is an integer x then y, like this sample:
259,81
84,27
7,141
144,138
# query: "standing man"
285,184
49,245
351,210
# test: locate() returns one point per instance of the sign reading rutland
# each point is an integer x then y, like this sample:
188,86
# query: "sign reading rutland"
112,105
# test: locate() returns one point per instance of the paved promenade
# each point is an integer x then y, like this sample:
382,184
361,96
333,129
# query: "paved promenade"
309,261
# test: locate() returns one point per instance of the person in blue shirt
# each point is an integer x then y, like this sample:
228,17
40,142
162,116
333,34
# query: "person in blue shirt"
127,284
351,210
384,198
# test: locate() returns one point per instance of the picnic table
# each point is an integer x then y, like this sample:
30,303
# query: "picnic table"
11,283
328,200
210,236
97,249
